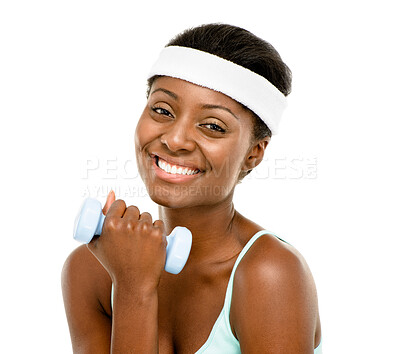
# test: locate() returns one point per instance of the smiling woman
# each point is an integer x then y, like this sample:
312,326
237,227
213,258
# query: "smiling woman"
216,95
188,126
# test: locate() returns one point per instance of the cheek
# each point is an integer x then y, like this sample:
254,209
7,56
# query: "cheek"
143,136
226,159
144,133
239,149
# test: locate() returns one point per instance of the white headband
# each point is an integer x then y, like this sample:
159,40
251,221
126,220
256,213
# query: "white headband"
211,71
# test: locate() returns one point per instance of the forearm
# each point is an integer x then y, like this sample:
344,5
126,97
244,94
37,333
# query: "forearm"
134,321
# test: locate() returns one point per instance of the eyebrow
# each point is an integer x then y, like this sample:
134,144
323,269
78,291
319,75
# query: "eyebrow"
169,93
213,106
205,106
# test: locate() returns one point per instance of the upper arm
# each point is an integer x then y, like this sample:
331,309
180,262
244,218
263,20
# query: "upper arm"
274,304
86,290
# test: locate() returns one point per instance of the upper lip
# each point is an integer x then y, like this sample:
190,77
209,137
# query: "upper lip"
177,161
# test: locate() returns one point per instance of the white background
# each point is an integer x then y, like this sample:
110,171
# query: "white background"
72,85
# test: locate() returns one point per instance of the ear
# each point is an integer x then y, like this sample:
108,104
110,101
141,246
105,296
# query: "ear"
255,154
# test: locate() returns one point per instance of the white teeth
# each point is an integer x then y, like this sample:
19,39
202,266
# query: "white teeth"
173,169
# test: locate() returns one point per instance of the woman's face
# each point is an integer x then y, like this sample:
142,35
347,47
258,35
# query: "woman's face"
191,144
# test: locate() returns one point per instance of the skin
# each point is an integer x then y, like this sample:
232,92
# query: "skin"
156,312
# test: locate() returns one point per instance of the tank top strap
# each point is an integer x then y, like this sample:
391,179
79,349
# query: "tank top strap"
228,295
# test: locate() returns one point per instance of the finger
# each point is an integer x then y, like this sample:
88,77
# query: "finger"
159,224
146,217
117,209
109,201
132,212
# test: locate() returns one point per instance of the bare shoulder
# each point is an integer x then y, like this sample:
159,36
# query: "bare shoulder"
273,260
82,273
82,259
86,288
274,296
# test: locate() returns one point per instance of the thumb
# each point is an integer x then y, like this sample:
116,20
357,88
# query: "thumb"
109,201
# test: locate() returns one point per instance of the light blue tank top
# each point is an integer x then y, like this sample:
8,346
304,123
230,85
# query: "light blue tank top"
221,338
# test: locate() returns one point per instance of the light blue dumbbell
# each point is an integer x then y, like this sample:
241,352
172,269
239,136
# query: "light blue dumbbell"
90,219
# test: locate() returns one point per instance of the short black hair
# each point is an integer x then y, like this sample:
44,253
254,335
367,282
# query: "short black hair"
243,48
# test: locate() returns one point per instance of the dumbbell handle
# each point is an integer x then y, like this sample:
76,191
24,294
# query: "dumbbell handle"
168,238
90,219
99,228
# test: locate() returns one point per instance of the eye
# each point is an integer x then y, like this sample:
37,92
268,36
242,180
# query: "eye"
214,127
162,111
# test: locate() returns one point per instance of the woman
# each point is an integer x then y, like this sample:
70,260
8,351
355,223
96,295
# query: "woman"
206,125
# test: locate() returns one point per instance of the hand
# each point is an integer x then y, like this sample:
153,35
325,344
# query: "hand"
131,247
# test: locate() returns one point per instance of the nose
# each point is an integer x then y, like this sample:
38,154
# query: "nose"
178,137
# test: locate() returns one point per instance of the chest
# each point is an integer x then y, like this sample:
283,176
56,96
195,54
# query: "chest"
188,309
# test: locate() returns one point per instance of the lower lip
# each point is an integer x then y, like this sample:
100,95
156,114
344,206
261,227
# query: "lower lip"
169,177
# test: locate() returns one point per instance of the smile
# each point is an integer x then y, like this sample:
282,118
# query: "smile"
175,169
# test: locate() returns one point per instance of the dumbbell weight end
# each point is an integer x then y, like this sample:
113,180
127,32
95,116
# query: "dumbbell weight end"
89,221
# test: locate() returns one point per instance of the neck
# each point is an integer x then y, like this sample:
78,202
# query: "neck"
213,228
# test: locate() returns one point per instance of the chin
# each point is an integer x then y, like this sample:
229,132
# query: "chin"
177,198
169,202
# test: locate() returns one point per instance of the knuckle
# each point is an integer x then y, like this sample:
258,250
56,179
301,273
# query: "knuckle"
144,227
110,223
130,226
157,232
157,236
